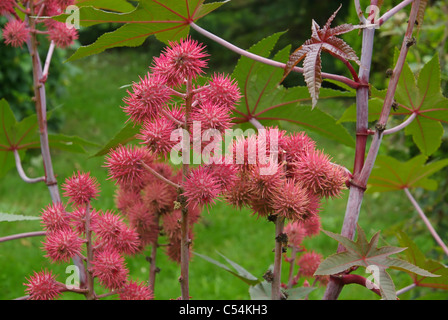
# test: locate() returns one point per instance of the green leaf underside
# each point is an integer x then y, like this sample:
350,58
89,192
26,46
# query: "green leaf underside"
390,174
364,253
272,104
415,256
168,20
422,96
239,272
8,217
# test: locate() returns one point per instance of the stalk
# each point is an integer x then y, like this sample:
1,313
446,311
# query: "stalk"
153,267
185,240
362,172
89,247
426,221
41,111
276,293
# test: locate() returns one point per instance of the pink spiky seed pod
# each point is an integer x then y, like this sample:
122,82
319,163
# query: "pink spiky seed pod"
112,231
239,195
261,207
54,217
296,145
175,112
16,33
159,196
245,151
78,219
321,176
200,187
64,3
125,165
173,250
291,201
183,60
146,98
126,198
264,181
296,232
6,7
61,35
210,116
224,173
221,90
156,135
62,245
136,291
309,262
144,222
110,268
312,225
162,168
43,286
81,188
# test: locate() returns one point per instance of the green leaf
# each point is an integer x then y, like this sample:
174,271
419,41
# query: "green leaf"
239,272
168,20
416,257
69,143
422,96
15,217
272,104
125,135
390,174
364,253
114,5
261,291
298,293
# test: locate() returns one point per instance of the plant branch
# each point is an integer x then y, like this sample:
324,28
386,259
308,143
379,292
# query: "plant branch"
357,279
256,123
23,235
22,173
426,221
406,289
185,240
277,281
41,111
153,267
362,171
48,61
401,126
267,61
292,260
389,14
89,247
388,101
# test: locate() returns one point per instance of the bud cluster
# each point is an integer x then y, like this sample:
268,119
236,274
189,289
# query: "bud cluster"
16,31
101,238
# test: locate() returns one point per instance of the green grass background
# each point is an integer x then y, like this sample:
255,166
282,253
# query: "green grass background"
91,110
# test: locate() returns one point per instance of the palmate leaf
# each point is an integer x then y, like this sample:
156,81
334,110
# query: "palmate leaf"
168,20
274,105
422,96
113,5
390,174
364,253
322,39
416,257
